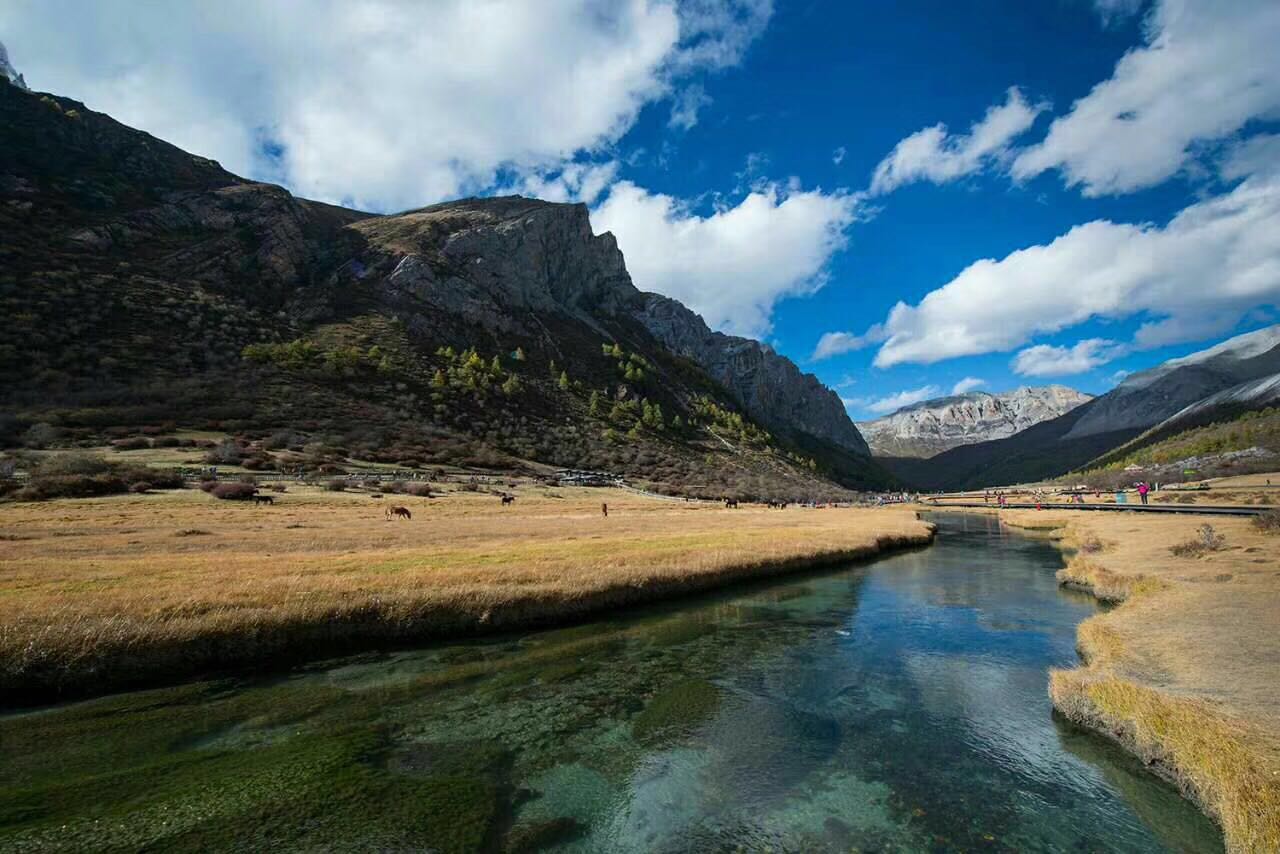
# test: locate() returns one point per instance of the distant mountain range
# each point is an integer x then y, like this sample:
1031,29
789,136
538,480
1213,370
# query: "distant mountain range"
933,426
1221,381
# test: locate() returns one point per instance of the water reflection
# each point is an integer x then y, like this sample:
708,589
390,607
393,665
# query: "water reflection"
899,706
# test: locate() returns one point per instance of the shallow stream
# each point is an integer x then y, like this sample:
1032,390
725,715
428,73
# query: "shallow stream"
894,706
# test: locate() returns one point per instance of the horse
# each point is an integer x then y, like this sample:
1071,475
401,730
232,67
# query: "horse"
731,504
604,510
508,499
263,499
398,513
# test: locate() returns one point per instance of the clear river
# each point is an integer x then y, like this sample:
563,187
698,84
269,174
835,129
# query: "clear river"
893,706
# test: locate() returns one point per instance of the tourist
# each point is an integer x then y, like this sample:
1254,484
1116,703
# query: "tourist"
1143,489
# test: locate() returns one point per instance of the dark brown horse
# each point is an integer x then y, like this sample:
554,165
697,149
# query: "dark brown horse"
263,499
508,499
731,503
398,513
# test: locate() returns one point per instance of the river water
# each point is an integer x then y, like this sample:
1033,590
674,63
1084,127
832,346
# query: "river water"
894,706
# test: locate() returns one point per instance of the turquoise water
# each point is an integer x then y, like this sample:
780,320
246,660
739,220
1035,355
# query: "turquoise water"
895,706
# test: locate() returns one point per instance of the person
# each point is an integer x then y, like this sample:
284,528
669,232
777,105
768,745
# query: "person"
1143,489
604,509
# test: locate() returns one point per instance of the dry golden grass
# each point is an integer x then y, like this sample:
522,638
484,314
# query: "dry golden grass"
103,593
1186,673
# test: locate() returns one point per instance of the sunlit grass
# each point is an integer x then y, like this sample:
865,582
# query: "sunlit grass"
104,593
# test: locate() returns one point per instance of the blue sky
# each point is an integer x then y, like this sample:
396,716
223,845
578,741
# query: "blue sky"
793,171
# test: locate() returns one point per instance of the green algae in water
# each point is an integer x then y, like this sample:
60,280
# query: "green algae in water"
676,710
899,706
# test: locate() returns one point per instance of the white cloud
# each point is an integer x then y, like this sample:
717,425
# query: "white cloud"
379,103
967,384
837,343
733,265
894,402
1257,155
933,154
1111,11
1044,360
1195,277
1208,67
573,182
837,156
686,105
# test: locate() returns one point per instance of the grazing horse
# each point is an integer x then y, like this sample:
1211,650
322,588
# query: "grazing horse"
508,499
263,499
398,513
731,504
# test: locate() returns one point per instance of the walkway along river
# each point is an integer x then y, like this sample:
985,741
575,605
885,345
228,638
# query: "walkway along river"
894,706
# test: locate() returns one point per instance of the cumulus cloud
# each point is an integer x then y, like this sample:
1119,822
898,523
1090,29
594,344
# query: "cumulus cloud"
572,182
1208,67
733,265
936,155
1197,276
967,384
838,343
686,105
380,103
894,402
1044,360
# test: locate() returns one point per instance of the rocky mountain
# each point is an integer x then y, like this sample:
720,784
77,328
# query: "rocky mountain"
145,286
8,72
1148,397
769,386
930,427
1237,369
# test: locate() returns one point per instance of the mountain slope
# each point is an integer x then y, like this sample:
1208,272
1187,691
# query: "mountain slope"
146,286
933,426
1091,431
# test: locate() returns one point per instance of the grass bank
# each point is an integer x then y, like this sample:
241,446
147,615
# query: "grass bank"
1185,673
105,594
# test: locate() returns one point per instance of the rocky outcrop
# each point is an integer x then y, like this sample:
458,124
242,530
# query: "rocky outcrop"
768,386
8,73
934,426
505,263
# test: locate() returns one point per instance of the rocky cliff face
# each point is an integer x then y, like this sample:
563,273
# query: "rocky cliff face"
767,385
504,263
934,426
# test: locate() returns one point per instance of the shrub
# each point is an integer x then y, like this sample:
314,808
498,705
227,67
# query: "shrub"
1207,540
137,443
140,487
335,486
420,489
86,476
1091,545
1268,523
233,491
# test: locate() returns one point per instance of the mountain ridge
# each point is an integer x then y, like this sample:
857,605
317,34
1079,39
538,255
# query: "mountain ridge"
930,427
151,283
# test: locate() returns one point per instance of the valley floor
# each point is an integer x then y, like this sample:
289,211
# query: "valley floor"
1186,672
102,594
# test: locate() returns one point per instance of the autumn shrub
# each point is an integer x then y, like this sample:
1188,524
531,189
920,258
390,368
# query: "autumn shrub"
1268,522
233,491
136,443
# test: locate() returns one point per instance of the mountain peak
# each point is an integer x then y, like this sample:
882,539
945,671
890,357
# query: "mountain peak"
8,72
932,426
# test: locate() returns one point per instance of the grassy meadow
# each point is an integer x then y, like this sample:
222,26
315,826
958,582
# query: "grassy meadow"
1186,671
105,593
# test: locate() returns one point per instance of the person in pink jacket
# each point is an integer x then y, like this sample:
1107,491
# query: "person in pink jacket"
1143,489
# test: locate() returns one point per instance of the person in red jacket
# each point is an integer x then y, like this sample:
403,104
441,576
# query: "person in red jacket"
1143,489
